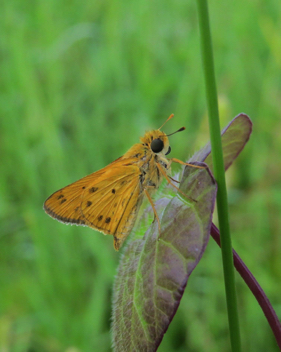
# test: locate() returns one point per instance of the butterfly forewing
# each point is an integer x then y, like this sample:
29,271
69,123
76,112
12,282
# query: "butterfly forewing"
106,200
64,205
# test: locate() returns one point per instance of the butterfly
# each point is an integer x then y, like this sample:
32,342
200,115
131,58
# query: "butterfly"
108,200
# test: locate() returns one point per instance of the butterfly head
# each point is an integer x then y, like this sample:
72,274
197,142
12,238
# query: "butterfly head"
157,141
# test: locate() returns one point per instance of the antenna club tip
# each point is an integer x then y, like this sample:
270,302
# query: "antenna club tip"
181,129
169,118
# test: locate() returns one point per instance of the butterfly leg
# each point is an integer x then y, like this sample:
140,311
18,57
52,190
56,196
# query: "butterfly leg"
171,178
183,163
153,207
167,178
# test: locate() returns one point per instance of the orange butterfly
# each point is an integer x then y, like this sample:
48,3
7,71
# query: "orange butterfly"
108,200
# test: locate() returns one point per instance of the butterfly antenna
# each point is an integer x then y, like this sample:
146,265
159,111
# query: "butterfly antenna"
181,129
169,118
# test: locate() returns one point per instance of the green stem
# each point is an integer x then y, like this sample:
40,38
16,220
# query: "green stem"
217,155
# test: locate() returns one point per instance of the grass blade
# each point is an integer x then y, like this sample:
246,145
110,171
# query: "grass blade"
217,154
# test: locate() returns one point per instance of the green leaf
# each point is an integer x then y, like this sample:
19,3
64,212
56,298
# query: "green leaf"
154,270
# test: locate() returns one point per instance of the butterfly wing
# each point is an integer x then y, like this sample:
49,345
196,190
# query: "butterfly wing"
106,200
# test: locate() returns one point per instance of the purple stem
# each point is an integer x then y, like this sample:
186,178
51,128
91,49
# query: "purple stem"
255,288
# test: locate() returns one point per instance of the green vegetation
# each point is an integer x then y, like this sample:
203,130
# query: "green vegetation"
80,82
219,173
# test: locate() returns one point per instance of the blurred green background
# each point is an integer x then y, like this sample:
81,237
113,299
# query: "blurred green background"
80,82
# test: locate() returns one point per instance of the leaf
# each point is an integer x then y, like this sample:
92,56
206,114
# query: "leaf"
234,138
154,270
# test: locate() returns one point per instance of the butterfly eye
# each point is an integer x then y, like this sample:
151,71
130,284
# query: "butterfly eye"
169,151
157,145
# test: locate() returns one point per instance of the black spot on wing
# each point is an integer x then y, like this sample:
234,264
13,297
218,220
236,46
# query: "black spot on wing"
113,191
100,217
89,203
63,200
93,189
107,220
60,196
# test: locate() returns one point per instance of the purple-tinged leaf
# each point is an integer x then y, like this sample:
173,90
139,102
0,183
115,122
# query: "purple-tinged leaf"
234,137
154,269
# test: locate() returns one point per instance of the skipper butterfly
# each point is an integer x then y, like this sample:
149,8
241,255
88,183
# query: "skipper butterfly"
108,200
